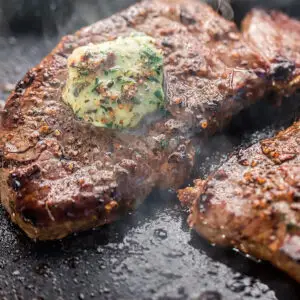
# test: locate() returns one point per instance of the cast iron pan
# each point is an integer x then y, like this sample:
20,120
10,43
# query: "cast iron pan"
151,253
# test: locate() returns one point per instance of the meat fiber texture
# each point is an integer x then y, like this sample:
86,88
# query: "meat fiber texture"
61,175
252,201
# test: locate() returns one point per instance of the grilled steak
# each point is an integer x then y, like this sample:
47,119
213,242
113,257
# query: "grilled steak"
276,37
252,202
61,174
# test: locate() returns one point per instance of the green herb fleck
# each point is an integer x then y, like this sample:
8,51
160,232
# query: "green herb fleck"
152,59
164,144
152,102
91,111
110,83
83,72
153,79
103,107
136,100
159,94
109,125
98,83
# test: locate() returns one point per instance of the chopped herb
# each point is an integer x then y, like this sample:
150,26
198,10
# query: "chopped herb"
35,112
69,46
105,101
152,59
153,79
136,100
159,94
110,83
98,83
91,111
78,88
83,72
109,125
158,70
153,102
165,111
104,107
164,144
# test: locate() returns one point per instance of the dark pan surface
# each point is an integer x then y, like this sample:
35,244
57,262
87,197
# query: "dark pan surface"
151,253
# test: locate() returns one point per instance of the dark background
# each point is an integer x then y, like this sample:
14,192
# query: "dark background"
150,254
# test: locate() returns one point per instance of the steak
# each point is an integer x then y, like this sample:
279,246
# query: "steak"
60,174
252,202
276,37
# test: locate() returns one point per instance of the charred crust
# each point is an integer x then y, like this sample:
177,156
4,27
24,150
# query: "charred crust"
282,69
15,183
62,54
12,116
20,177
167,43
255,203
296,196
186,18
81,207
25,82
29,216
44,206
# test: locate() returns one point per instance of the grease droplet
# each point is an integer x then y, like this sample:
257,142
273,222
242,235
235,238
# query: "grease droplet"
160,233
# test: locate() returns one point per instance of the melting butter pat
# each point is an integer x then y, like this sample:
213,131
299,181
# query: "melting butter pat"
115,84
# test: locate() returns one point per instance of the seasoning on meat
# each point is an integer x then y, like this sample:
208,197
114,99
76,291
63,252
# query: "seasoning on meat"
254,206
276,37
61,174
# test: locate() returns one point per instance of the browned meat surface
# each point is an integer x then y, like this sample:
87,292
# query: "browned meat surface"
253,202
276,37
61,175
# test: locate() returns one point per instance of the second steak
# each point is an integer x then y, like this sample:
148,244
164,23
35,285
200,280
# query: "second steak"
253,202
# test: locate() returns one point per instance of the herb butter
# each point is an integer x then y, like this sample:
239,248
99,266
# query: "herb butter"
115,84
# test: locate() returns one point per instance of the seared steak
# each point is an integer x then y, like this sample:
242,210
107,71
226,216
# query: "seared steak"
252,202
60,174
276,37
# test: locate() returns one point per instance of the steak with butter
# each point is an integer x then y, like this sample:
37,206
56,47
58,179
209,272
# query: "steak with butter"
110,113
